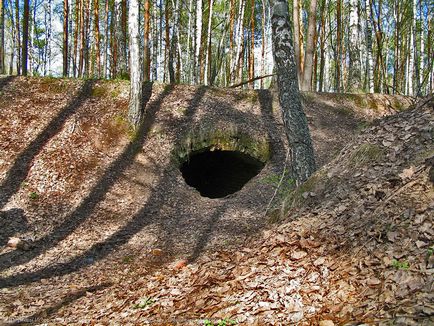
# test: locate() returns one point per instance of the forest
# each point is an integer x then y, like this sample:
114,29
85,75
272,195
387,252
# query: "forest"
381,46
216,162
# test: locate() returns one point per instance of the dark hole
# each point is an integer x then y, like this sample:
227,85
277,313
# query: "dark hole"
216,174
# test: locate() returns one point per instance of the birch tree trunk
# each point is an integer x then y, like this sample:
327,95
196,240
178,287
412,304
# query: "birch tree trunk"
198,41
97,38
354,69
297,131
369,60
135,110
2,38
308,62
252,44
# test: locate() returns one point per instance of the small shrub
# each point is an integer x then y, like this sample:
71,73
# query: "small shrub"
145,302
400,264
33,195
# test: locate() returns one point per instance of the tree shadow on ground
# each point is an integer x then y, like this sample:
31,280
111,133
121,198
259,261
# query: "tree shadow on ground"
4,81
19,170
43,315
11,222
100,250
110,176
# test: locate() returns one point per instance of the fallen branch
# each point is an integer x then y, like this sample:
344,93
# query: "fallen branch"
251,80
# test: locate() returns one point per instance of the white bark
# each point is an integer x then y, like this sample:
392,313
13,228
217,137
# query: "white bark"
413,53
136,74
354,74
187,57
369,60
198,39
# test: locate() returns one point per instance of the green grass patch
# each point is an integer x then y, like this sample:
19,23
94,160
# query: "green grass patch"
366,153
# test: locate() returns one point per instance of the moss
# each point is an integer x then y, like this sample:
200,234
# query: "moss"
366,153
99,91
218,139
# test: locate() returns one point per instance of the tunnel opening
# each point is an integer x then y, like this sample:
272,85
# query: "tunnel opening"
219,173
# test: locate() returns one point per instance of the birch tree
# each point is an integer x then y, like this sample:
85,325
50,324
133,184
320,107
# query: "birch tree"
135,111
295,121
354,68
2,38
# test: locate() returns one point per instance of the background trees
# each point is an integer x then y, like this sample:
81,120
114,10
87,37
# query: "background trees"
340,45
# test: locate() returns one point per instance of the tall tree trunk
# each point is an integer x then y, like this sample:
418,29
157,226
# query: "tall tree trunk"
135,110
2,38
18,36
121,64
97,38
354,73
65,37
198,41
397,42
264,23
106,40
297,45
369,60
25,37
14,39
338,45
76,38
146,48
322,42
308,62
188,61
297,131
208,44
231,40
252,44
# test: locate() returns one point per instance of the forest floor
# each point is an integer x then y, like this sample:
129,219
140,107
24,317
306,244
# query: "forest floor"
97,225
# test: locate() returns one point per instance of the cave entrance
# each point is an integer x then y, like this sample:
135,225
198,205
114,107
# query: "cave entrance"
216,174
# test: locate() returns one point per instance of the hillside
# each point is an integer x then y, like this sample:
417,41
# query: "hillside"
109,231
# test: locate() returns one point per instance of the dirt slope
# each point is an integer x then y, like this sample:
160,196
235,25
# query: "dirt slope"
74,177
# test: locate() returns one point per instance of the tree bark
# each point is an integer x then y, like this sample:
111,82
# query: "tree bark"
308,62
18,36
97,38
369,60
25,37
135,110
146,49
354,69
121,64
295,121
65,37
252,44
2,38
198,41
297,45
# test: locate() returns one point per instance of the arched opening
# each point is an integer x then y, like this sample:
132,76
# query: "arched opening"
219,173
